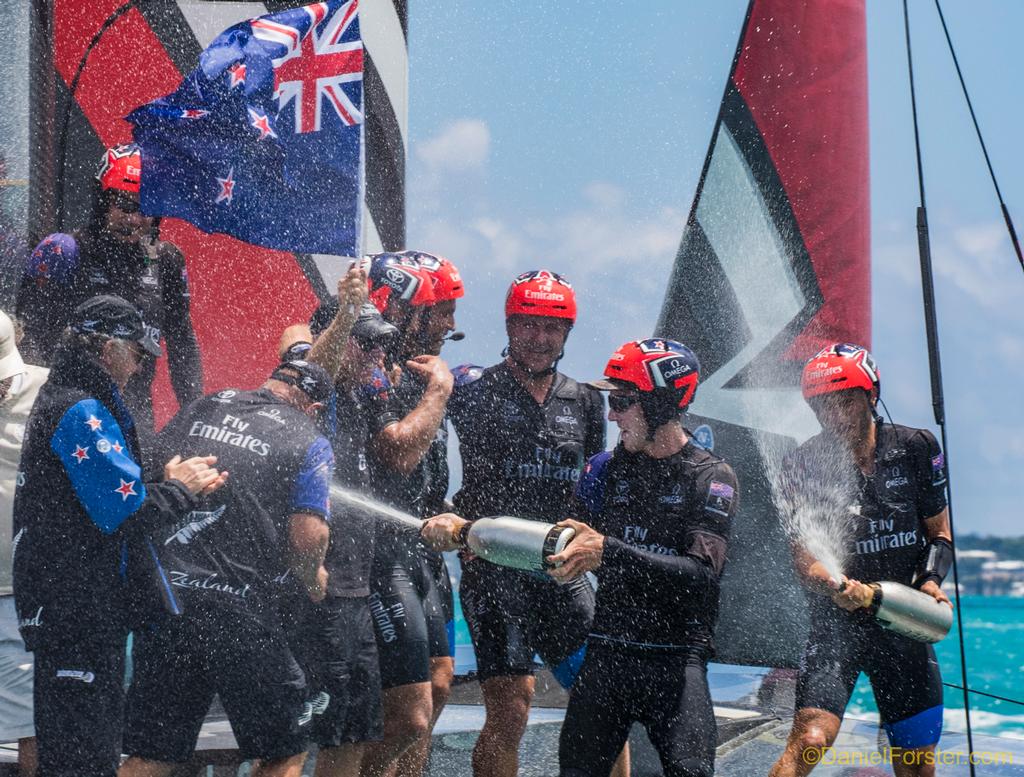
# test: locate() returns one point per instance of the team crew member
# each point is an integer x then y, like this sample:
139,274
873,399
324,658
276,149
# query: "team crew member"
525,431
227,560
80,500
334,640
657,512
118,252
412,600
19,386
900,531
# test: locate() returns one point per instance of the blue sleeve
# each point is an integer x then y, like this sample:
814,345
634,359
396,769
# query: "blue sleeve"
92,448
312,490
590,489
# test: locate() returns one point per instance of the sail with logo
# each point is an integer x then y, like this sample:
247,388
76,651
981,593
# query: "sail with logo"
773,265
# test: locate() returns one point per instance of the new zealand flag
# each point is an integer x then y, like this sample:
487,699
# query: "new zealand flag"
263,140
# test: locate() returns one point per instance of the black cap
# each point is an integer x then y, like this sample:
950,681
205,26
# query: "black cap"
370,329
311,378
114,317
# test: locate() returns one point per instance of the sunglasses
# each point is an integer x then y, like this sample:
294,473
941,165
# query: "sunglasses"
622,402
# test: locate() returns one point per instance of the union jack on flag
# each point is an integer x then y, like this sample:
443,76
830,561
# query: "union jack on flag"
271,152
318,56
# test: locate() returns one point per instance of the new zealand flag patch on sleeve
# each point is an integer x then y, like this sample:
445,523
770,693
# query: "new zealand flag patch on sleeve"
939,469
720,496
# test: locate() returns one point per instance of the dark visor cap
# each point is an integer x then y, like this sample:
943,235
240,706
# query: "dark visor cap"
370,330
114,317
311,378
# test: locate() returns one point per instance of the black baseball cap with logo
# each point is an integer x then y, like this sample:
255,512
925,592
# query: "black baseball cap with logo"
311,378
370,329
114,317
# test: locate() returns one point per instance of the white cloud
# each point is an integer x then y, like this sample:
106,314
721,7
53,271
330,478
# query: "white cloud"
461,146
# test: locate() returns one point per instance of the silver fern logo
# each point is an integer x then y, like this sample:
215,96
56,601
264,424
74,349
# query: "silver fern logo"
16,541
195,522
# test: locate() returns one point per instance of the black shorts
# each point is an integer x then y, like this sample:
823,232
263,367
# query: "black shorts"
79,707
335,645
904,676
666,693
412,610
178,668
514,615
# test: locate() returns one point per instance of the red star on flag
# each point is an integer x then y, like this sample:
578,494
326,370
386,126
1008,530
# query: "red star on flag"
126,489
261,123
193,113
80,453
227,187
94,423
237,74
117,447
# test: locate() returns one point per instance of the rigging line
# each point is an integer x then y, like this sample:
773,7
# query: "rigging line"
935,368
984,149
983,693
72,89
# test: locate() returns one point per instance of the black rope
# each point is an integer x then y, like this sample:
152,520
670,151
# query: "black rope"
73,87
983,693
935,368
981,140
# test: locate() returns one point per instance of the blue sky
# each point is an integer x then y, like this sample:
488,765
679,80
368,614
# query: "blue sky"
571,135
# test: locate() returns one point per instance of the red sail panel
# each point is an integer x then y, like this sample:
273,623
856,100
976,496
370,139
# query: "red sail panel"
242,295
774,263
803,74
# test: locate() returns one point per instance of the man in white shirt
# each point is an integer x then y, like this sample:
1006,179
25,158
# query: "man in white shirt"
19,384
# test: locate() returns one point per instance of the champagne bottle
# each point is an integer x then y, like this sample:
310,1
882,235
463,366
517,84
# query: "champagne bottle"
516,542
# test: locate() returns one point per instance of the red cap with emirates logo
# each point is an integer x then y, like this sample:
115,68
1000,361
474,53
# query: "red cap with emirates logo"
121,169
541,293
839,367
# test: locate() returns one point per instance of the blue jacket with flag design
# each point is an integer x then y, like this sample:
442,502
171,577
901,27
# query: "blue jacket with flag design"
81,508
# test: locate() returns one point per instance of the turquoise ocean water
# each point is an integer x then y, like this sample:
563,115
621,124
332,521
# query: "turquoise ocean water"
994,644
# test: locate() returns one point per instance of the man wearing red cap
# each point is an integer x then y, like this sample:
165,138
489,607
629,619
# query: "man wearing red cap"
118,252
411,598
525,431
886,484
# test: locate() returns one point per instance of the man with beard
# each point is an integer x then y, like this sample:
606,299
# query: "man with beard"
525,431
411,592
118,252
894,478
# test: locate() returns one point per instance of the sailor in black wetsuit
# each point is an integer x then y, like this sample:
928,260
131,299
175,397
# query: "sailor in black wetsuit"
657,514
525,431
411,598
334,640
117,253
890,480
227,561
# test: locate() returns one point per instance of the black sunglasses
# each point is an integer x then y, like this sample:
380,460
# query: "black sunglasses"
622,402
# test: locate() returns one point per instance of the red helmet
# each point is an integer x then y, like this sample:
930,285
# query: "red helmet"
444,275
121,169
663,371
541,293
839,367
393,276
